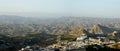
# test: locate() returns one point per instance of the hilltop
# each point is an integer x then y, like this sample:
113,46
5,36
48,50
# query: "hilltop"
99,29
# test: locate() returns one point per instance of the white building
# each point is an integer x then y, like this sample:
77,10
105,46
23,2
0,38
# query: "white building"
81,38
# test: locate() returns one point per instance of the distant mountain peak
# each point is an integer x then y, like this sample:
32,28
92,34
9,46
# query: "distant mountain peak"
99,29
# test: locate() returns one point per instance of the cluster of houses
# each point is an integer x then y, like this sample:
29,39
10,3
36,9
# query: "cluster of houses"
35,48
81,42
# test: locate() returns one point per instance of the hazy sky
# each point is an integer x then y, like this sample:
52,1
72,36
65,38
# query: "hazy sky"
58,8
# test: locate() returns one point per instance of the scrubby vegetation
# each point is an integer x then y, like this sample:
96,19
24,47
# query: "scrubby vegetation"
100,48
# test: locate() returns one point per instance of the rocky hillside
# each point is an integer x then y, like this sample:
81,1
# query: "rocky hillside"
99,29
79,31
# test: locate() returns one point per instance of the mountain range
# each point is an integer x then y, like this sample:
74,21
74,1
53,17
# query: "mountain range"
25,25
19,31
